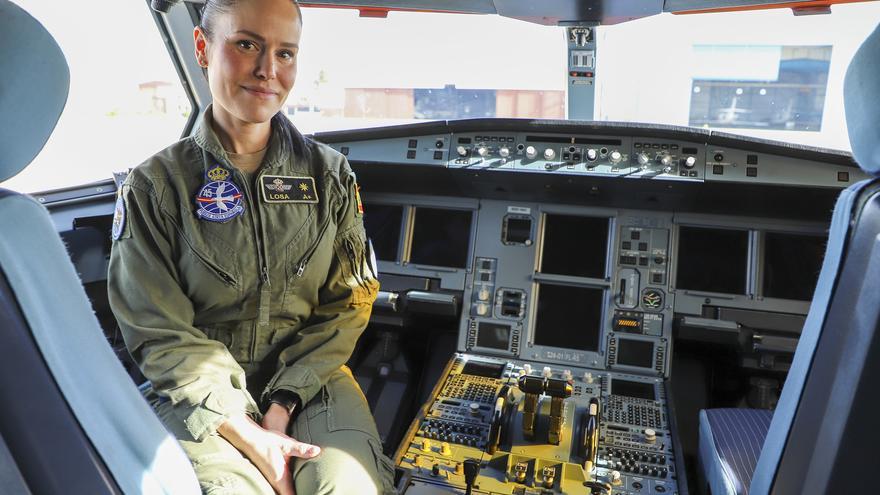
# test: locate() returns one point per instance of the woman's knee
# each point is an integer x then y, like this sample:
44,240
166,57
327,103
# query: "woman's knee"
358,468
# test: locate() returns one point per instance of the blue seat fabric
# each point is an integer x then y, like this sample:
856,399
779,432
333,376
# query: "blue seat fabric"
730,445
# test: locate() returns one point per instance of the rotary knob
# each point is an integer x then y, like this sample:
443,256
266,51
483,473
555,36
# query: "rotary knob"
531,153
445,449
690,161
615,157
426,445
643,160
462,151
482,309
474,408
650,435
588,377
566,375
504,152
549,154
483,151
592,155
666,163
483,294
547,372
527,368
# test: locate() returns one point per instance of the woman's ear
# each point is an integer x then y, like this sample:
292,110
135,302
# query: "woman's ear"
200,40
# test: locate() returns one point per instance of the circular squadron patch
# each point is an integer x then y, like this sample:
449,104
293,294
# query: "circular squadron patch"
219,200
118,218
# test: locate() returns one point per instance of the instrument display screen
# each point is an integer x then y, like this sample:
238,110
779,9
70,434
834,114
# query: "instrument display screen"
517,230
633,352
575,246
441,237
382,223
569,317
628,388
488,370
791,265
493,336
712,260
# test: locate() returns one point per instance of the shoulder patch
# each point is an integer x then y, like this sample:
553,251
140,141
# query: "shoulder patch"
288,189
118,217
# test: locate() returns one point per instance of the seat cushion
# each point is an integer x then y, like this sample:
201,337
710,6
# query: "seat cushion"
730,444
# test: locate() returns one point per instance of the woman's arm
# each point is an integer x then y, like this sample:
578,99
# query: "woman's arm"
201,378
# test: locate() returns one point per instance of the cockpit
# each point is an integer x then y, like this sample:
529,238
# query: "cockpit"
623,247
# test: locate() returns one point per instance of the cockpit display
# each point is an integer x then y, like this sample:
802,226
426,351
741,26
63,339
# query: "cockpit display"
791,265
575,246
479,368
441,237
382,223
629,388
634,352
712,260
569,317
493,336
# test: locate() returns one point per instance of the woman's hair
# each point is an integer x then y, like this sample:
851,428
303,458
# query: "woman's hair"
291,138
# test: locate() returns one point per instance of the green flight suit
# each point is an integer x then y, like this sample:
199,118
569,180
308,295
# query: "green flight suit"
217,314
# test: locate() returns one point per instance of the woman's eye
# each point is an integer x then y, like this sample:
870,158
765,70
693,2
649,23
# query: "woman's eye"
246,44
286,55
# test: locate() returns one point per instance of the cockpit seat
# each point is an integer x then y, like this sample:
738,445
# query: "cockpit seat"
822,433
730,444
72,420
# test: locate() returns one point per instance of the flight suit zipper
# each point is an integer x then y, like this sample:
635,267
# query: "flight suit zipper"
304,261
262,260
225,277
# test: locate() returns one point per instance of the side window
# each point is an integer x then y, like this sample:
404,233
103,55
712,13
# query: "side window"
126,101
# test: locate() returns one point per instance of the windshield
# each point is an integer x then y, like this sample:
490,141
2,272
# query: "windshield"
767,74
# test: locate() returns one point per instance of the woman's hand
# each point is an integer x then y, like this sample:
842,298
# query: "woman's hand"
269,450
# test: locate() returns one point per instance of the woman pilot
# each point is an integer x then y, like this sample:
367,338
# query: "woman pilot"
241,279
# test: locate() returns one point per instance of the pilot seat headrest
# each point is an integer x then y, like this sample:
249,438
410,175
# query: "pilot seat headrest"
34,80
861,94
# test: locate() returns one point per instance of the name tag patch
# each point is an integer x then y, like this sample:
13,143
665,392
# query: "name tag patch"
287,189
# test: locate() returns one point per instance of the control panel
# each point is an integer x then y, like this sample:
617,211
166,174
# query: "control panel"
514,427
611,156
600,149
641,319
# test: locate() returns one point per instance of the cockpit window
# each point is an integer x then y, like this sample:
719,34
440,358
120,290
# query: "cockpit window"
126,101
411,66
768,74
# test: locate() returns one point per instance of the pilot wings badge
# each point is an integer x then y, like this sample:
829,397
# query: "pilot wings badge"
219,200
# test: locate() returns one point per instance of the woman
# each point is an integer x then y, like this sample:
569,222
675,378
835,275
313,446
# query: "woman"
241,280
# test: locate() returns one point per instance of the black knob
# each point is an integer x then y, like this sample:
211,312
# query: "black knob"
435,470
471,470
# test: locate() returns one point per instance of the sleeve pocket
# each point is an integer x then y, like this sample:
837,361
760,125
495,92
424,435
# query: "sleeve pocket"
357,271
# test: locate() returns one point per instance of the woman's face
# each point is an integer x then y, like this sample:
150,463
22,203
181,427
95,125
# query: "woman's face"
251,58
